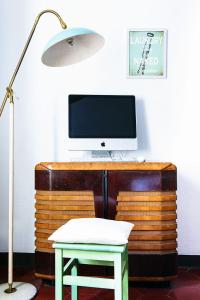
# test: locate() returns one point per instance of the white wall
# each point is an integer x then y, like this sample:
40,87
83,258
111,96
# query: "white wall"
168,109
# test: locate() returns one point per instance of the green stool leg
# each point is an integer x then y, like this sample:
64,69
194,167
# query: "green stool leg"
59,275
118,276
125,283
125,278
74,272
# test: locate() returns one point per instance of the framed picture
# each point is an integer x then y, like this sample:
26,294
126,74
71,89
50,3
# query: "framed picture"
147,53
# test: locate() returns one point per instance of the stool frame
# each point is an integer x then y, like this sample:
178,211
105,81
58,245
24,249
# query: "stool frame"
91,254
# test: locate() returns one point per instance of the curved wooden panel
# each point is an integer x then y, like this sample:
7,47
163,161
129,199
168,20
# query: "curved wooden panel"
56,209
152,245
52,208
152,235
154,217
142,196
62,216
155,227
49,226
84,193
148,218
64,197
146,207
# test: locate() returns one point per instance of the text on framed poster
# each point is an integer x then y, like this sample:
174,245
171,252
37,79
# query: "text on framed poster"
147,53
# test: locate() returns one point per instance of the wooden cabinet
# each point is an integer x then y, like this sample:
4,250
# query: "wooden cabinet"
142,193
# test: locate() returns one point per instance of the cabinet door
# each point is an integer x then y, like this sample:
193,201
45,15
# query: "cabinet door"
148,200
60,196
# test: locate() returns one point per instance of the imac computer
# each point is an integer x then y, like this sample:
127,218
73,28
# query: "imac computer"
102,122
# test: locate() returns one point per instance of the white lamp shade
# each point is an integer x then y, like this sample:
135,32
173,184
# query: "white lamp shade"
71,46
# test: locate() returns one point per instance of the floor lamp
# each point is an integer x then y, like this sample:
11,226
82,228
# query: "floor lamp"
67,47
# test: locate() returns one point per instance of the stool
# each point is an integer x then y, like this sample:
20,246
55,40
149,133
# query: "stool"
91,254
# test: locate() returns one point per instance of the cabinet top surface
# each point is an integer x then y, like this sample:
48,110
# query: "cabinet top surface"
151,166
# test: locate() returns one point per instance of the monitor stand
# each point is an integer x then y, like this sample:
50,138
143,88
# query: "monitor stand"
101,154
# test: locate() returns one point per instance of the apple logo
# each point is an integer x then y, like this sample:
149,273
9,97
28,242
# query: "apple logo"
103,144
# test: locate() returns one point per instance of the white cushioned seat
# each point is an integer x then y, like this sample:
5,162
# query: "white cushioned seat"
93,231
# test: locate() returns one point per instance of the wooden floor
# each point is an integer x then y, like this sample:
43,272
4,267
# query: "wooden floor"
185,287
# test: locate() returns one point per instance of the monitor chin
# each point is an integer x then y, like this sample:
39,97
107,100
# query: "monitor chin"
96,144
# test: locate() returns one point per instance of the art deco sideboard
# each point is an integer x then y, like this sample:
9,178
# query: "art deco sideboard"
142,193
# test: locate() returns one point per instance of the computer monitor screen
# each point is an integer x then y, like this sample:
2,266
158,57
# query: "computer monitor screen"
108,119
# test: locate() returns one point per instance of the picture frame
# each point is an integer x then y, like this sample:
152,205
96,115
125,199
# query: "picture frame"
147,53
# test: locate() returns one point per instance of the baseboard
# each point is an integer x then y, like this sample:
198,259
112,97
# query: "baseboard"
28,259
189,260
19,259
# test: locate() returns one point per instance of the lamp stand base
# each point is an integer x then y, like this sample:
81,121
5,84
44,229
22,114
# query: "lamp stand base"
19,291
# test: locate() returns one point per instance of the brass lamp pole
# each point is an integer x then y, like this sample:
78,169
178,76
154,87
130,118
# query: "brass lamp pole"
9,96
67,47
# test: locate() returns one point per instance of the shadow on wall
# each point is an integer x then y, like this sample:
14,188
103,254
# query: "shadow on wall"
142,133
